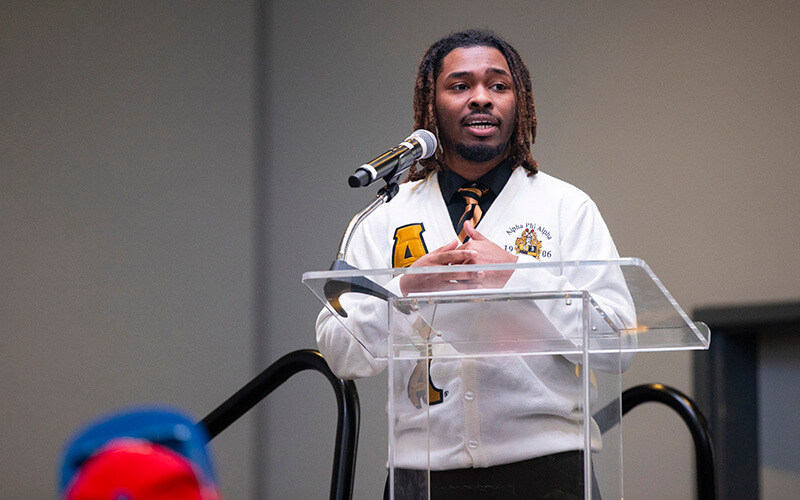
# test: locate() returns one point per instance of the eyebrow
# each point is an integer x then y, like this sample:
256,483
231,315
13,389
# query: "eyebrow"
461,74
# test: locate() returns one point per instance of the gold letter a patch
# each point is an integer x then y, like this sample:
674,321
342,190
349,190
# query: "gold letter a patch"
408,245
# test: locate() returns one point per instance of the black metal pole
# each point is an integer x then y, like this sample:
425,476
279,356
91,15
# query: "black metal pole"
271,378
695,421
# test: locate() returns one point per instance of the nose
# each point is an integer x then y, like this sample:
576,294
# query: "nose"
480,98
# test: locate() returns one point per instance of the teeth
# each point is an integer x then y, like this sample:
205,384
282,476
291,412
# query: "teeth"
481,125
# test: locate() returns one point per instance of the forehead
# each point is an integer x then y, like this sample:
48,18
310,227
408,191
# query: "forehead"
476,60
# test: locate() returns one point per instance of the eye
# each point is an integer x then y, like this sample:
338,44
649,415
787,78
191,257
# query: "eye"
458,86
500,86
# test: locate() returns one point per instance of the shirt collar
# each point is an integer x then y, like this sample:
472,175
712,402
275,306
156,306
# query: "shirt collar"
495,179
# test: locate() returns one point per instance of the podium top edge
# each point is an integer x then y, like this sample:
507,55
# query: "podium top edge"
626,261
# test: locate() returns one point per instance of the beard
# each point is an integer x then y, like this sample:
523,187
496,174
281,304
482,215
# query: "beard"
479,153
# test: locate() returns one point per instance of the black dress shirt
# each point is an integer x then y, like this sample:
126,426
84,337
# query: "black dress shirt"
450,182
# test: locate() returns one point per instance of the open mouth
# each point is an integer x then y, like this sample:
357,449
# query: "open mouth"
481,125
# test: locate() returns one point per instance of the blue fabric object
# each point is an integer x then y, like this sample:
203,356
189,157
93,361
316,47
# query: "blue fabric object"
160,425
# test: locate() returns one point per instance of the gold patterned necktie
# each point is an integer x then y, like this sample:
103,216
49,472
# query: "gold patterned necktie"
472,211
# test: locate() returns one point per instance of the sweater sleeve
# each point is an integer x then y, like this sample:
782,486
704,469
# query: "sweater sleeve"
352,345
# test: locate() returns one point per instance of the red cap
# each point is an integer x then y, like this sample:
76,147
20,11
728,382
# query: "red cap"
131,469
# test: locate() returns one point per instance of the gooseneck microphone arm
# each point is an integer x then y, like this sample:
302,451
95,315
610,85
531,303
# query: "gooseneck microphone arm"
390,167
385,195
334,288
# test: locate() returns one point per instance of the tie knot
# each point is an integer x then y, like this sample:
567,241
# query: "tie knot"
472,192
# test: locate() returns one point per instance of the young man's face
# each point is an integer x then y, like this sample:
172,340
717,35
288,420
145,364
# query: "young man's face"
475,105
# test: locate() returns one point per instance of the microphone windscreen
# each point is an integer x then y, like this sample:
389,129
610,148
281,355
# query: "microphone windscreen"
428,141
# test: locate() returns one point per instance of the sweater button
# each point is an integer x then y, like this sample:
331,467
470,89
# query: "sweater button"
469,395
472,444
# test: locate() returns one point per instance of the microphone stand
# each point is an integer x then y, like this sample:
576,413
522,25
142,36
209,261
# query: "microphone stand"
334,288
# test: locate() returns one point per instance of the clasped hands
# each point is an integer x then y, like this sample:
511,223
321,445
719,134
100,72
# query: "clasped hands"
477,250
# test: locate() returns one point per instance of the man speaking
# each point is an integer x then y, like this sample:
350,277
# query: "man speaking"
500,428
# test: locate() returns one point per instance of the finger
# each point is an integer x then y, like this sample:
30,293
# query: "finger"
455,281
450,246
461,277
472,232
437,257
460,256
461,285
410,283
450,257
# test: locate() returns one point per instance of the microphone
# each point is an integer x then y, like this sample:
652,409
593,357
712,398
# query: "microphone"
419,145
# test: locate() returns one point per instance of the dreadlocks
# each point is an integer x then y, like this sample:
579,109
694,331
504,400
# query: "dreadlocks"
425,93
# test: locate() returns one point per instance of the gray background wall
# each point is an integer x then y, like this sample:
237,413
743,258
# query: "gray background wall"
169,169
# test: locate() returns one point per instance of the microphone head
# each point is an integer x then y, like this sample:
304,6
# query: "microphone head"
427,140
360,178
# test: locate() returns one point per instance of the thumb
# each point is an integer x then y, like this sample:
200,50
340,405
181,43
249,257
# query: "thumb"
472,232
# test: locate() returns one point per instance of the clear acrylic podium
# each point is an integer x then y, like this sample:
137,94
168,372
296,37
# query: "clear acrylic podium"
481,375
